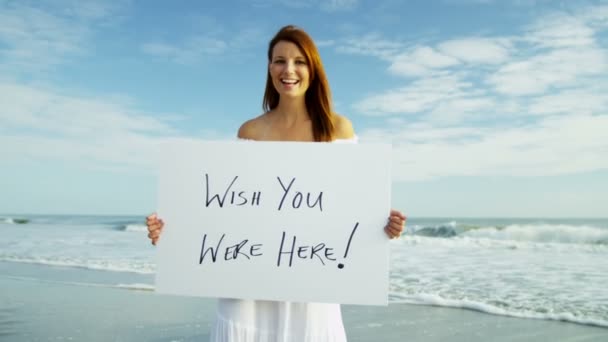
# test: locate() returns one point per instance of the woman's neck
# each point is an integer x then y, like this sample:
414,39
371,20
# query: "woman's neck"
291,111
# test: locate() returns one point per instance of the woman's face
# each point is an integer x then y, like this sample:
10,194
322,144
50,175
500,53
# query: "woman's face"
289,70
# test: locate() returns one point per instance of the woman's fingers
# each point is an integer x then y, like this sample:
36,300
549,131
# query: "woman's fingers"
396,224
391,232
155,227
396,220
151,219
154,224
155,232
397,213
154,235
395,230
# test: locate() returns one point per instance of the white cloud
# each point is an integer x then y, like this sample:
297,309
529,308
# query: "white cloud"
560,30
371,44
199,47
477,50
417,133
421,95
556,51
40,124
294,3
555,146
338,5
324,5
527,3
192,51
555,69
596,16
559,50
468,2
247,37
584,101
505,105
456,110
37,38
420,61
324,43
424,60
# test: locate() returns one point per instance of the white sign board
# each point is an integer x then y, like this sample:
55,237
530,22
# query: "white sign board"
286,221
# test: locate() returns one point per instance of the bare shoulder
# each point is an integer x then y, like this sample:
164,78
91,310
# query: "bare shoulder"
344,127
253,128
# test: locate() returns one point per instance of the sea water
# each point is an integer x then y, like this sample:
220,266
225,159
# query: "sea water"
553,269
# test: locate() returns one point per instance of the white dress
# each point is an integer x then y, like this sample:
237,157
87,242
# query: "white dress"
240,320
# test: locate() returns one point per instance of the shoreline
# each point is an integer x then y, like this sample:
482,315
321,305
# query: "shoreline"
69,275
52,308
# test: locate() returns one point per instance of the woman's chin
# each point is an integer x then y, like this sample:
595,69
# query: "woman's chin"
291,94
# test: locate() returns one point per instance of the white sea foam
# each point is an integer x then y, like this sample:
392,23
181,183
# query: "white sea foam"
473,242
99,265
432,299
135,228
141,287
7,220
525,279
136,286
543,233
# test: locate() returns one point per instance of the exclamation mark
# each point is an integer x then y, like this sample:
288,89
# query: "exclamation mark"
350,239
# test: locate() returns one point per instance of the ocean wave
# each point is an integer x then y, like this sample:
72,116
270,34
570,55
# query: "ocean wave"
473,243
542,233
99,265
436,300
136,286
133,227
71,220
11,220
436,231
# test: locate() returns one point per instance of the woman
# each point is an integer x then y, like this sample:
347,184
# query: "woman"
297,106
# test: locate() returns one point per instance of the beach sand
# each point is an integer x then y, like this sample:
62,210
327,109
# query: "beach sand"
52,310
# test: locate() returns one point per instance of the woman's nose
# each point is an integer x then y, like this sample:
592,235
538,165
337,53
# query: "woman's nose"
290,66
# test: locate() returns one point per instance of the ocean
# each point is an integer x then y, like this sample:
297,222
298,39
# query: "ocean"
550,269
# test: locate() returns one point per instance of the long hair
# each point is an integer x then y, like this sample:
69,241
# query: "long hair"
318,94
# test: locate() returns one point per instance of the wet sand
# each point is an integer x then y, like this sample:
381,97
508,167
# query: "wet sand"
55,309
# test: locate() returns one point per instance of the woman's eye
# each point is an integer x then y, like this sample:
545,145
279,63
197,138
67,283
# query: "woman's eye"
280,61
300,62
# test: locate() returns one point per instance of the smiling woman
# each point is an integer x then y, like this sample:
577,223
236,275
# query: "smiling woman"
297,98
297,77
297,104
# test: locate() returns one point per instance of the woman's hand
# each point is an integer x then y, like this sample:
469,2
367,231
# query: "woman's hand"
155,227
396,224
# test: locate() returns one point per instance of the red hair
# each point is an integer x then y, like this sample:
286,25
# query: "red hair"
318,95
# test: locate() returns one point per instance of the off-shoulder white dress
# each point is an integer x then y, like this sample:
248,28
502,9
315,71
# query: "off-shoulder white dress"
240,320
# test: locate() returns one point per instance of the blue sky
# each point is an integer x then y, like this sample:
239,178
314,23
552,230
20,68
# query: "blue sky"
494,108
